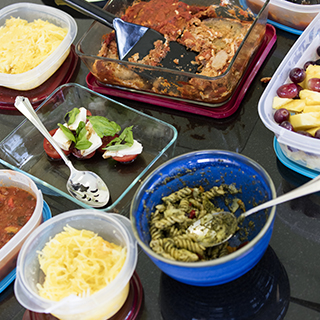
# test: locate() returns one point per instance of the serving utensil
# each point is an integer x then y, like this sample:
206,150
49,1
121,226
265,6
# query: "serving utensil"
85,186
218,227
133,38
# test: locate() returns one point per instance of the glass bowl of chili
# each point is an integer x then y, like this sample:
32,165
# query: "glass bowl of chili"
20,213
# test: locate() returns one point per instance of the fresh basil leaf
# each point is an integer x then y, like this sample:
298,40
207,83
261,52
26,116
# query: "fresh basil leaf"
125,140
80,128
81,140
83,144
103,126
67,132
70,117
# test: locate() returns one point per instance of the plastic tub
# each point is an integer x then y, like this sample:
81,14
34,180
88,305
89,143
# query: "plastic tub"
38,75
98,306
300,149
286,13
9,252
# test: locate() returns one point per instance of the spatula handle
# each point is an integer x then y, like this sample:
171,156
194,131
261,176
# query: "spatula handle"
90,10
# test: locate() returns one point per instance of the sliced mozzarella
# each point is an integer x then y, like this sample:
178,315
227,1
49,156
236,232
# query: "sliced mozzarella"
93,138
61,139
136,148
82,116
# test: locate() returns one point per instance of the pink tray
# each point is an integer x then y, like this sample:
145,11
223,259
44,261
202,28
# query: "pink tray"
37,95
220,112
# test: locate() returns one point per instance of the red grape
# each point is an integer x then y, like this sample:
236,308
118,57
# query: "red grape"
288,90
297,75
314,84
307,64
317,134
305,133
287,125
318,51
281,115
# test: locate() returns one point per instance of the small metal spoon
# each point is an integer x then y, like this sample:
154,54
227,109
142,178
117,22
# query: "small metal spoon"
218,227
85,186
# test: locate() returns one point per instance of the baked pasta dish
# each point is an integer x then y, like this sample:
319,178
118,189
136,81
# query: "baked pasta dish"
215,33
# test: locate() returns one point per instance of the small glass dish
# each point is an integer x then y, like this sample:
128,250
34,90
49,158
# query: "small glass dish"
178,85
22,149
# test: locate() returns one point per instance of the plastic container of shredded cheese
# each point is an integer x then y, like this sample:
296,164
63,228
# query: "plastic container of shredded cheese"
100,305
39,74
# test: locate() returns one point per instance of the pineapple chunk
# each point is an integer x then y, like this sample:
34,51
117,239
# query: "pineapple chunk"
295,105
315,108
313,71
313,130
280,102
305,121
310,97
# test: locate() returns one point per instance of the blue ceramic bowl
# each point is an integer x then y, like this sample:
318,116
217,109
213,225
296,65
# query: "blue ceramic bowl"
208,168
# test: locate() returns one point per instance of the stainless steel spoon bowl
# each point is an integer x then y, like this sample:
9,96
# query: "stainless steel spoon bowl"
218,227
85,186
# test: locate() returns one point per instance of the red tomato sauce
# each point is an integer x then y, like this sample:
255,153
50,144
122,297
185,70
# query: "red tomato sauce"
16,208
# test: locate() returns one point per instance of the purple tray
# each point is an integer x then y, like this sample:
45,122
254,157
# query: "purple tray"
220,112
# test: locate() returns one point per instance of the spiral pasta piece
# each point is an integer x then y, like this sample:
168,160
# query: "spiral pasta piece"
169,222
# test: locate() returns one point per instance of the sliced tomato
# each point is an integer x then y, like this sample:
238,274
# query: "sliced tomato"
50,150
125,159
78,155
105,141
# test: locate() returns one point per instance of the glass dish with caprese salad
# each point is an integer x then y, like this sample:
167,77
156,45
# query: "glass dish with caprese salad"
122,132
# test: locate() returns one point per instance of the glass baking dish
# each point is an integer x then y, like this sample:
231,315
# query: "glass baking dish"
178,85
22,149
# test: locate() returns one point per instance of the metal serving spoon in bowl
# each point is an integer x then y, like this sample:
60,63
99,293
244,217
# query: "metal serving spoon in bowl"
85,186
218,227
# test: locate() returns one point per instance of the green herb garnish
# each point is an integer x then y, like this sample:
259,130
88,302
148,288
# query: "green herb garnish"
124,141
67,132
104,127
70,117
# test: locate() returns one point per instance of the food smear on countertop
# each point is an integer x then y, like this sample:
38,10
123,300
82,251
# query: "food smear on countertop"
16,209
24,45
78,262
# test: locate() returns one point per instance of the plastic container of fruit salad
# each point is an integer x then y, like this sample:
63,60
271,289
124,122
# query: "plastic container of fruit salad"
300,149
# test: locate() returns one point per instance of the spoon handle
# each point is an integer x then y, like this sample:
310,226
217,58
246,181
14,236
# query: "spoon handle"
24,106
311,186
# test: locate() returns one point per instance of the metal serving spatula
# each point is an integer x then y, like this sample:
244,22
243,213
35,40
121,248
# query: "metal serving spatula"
133,38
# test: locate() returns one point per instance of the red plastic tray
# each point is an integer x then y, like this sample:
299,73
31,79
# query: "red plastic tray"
129,310
37,95
223,111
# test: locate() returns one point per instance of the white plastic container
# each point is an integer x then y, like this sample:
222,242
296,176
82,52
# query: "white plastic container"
286,13
38,75
9,252
302,150
98,306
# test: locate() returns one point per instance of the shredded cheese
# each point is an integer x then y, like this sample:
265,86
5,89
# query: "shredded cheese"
78,262
24,45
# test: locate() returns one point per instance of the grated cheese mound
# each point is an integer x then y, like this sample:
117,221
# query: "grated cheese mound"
78,262
24,45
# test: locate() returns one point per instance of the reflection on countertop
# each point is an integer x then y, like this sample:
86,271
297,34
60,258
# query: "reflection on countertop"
262,293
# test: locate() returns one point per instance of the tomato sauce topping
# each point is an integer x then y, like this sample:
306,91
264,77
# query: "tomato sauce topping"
16,208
